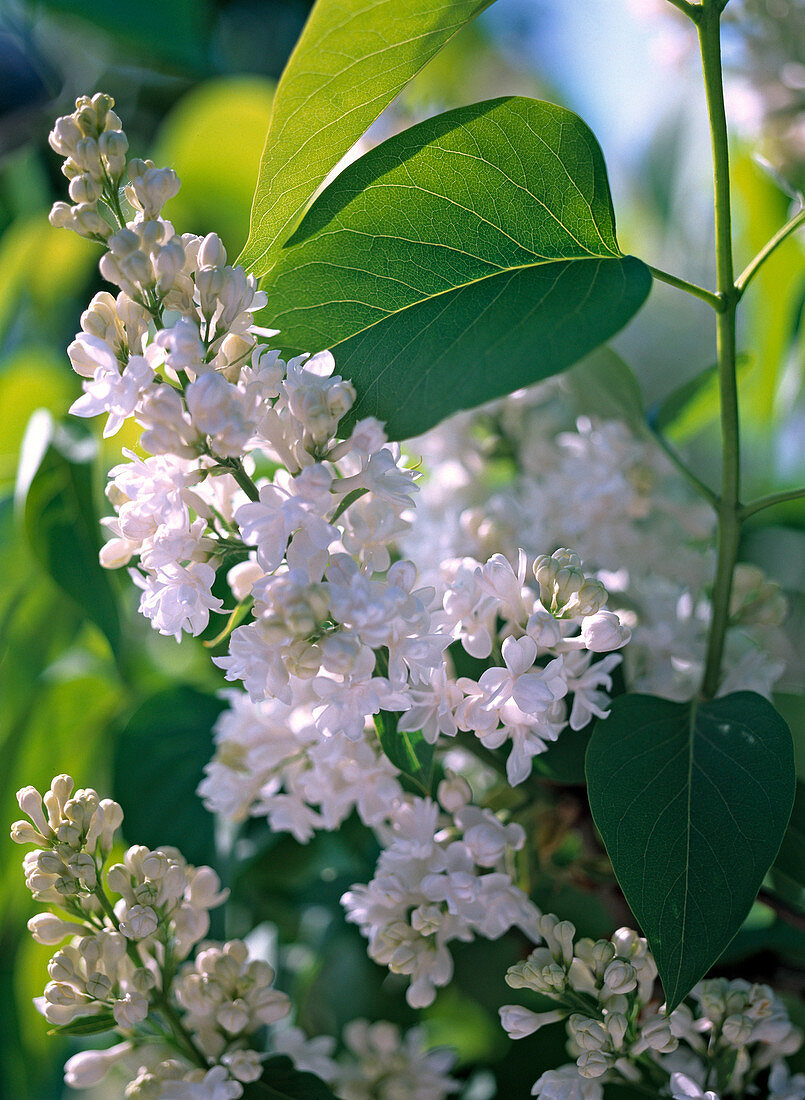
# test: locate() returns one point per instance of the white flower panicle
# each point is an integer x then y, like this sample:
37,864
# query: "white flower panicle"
614,497
378,1062
618,1031
124,933
332,629
438,879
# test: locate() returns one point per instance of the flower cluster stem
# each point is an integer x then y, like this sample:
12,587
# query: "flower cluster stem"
729,509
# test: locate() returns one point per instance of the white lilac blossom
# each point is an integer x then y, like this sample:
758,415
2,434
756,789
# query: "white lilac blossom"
438,879
270,761
333,629
619,1032
377,1062
123,953
615,498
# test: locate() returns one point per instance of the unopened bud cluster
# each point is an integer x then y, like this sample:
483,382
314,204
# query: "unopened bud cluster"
94,146
123,932
618,1032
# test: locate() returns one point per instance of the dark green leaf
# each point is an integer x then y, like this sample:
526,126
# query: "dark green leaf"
63,526
409,752
86,1025
462,259
281,1080
692,801
350,62
158,764
564,760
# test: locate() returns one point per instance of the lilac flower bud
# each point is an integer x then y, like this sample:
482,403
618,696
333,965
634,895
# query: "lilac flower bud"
49,929
89,1067
130,1010
604,632
593,1063
140,922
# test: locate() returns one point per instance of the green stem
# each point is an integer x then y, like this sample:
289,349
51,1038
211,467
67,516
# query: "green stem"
235,468
729,520
183,1039
693,11
752,268
708,296
769,501
697,483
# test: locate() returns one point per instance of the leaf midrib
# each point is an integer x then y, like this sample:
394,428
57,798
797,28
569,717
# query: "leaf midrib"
694,708
442,293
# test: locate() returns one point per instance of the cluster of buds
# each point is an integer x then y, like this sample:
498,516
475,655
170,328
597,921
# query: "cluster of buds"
228,996
128,928
618,1032
601,988
94,146
564,589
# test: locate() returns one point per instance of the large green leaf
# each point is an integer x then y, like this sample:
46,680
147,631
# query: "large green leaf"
159,760
62,521
692,801
460,260
350,62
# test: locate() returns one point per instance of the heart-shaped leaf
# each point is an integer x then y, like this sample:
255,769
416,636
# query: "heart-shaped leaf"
692,801
460,260
350,62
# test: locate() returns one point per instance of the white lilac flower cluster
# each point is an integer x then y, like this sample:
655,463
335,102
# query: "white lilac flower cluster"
246,457
272,762
726,1033
439,878
129,929
522,474
377,1062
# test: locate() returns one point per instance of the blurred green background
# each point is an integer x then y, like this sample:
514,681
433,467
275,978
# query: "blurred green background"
85,685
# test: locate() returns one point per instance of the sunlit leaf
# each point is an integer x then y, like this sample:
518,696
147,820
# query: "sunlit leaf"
350,62
460,260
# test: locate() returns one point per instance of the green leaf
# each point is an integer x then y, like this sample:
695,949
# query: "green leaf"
158,764
603,385
460,260
692,801
409,752
86,1025
62,522
281,1080
695,405
351,61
